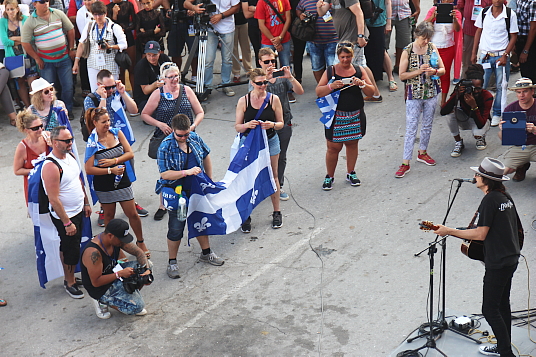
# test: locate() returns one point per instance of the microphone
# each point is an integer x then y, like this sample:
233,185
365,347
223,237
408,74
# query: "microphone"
470,180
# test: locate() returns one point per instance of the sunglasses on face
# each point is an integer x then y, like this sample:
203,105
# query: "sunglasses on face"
274,61
172,77
66,141
262,83
35,128
478,175
110,87
182,136
47,91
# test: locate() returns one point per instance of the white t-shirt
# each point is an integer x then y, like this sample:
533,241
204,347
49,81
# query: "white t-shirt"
443,35
494,35
71,192
226,25
83,16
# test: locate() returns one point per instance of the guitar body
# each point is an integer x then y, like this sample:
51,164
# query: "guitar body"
474,249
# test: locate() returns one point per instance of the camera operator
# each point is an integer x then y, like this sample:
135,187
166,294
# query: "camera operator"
181,32
222,22
469,108
101,277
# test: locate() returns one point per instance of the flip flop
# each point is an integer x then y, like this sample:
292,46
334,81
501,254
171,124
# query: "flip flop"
392,86
3,302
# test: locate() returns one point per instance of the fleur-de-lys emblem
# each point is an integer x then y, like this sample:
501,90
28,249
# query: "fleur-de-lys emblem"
254,197
201,226
205,185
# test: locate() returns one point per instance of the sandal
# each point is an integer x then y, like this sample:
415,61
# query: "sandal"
147,252
3,302
392,86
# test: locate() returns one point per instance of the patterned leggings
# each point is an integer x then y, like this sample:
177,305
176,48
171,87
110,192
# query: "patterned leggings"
414,108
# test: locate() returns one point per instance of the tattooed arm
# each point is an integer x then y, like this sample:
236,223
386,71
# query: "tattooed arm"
92,260
132,248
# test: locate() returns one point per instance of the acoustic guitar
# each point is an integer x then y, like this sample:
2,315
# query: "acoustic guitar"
474,249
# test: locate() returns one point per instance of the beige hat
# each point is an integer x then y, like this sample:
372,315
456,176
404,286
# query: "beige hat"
492,169
40,84
522,83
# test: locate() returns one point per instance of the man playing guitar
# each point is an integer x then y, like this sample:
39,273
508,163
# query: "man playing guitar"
497,227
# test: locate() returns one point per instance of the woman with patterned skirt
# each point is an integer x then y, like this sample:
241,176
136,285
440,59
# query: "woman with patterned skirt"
346,81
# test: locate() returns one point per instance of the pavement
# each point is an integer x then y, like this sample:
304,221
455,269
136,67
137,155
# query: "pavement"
338,279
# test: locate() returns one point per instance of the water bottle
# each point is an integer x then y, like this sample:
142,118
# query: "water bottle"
118,177
434,62
182,211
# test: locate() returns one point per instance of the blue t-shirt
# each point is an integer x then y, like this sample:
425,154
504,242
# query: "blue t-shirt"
381,20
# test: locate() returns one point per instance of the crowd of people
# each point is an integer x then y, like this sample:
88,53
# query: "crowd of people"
348,57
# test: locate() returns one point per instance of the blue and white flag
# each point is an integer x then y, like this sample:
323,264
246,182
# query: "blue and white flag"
218,208
328,106
47,240
120,120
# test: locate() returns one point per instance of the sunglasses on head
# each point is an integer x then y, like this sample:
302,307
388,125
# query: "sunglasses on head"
261,83
182,136
274,61
66,141
345,44
47,91
35,128
110,87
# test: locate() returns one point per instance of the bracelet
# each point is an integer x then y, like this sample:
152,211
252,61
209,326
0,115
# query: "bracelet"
116,160
473,109
183,173
109,171
363,86
77,58
117,275
87,204
436,71
68,224
329,86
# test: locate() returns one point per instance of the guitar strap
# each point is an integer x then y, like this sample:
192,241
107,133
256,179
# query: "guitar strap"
472,224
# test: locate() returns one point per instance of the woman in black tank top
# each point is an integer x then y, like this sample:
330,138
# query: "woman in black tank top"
271,119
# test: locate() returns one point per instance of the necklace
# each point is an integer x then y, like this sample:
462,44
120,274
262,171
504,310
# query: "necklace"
16,24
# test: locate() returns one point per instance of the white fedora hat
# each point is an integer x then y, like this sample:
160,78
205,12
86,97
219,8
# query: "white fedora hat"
492,169
40,84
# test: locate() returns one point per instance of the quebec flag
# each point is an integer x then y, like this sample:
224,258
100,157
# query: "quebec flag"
120,119
328,106
47,240
218,208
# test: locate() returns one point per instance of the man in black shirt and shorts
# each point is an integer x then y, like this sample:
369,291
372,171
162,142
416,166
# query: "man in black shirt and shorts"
498,228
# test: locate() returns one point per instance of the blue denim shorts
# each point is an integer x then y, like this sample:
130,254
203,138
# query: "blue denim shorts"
116,295
175,227
273,145
322,54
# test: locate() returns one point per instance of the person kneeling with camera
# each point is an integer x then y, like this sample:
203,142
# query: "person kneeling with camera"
469,108
111,283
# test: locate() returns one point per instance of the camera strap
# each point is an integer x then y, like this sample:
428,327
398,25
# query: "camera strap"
101,35
275,10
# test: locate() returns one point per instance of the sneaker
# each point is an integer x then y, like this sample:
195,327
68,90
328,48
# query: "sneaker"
481,143
142,313
228,91
142,212
402,170
132,115
352,178
74,292
458,148
371,99
291,97
159,214
489,350
277,220
426,159
173,269
100,221
328,182
246,226
101,310
455,81
495,120
77,282
211,258
71,116
283,196
521,172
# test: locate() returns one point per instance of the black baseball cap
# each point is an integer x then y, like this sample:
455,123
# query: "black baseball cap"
119,228
152,47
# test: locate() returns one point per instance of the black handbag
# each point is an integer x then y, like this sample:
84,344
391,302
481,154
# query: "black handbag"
305,29
123,60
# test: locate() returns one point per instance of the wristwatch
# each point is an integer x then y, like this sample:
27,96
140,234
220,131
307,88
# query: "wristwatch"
526,52
360,36
73,48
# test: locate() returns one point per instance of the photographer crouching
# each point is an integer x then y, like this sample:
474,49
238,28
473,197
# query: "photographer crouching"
469,108
111,283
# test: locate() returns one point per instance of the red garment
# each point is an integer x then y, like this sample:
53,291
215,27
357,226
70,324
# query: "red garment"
134,2
30,155
271,20
466,7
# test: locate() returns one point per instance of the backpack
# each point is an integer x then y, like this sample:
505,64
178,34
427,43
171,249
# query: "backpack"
43,197
369,9
83,125
506,19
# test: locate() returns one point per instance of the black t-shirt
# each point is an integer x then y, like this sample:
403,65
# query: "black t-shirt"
108,264
501,246
144,74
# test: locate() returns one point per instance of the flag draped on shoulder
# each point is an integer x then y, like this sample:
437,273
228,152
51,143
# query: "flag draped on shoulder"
328,106
120,120
92,147
218,208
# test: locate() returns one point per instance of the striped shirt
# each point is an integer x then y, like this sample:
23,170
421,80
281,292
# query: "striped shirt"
526,13
48,35
401,9
325,31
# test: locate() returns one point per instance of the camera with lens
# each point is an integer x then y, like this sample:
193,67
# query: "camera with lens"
204,18
136,281
308,16
468,84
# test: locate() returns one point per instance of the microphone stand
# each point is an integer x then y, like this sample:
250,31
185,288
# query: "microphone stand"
440,325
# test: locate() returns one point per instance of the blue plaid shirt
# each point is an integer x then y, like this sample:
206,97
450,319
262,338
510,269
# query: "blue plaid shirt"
171,157
526,12
88,103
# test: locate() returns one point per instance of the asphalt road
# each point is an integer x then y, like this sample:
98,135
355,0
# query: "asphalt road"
338,279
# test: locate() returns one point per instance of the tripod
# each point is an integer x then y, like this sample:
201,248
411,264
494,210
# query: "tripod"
440,325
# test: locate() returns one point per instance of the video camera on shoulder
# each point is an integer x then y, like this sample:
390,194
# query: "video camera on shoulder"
468,84
204,18
136,281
